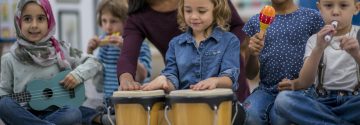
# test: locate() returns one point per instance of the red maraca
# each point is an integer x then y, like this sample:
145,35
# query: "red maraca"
267,16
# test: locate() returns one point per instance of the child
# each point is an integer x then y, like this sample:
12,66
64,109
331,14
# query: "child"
156,21
38,55
333,67
111,18
277,55
206,56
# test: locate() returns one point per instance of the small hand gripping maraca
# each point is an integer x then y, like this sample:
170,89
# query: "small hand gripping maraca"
267,16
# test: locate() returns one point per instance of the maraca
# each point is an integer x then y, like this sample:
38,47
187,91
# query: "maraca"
106,39
267,16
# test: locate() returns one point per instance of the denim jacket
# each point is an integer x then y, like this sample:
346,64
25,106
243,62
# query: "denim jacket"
216,56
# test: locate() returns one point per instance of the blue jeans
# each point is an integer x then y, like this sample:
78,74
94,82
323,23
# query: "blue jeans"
14,114
88,114
258,107
306,107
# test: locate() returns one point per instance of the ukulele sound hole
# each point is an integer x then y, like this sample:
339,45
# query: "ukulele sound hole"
48,93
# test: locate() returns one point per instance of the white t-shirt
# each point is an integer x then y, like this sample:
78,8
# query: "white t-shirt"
341,69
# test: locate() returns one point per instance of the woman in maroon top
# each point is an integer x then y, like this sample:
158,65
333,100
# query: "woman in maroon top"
156,21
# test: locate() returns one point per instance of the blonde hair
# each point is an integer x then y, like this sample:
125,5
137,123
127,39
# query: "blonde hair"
117,8
221,13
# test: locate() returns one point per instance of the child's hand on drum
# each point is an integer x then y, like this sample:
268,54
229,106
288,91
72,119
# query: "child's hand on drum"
159,82
210,83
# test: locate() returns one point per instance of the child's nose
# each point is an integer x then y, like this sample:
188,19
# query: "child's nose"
193,16
34,24
108,26
336,11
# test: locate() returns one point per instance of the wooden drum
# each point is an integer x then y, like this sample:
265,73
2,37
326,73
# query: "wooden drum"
208,107
138,107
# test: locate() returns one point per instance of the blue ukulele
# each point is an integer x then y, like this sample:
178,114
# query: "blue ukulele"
41,94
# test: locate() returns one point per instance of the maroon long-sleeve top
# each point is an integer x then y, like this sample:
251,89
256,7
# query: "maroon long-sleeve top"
159,28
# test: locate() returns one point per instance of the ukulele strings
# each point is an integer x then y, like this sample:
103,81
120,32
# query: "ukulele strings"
39,94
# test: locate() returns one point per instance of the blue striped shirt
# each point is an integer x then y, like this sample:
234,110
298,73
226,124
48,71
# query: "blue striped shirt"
108,56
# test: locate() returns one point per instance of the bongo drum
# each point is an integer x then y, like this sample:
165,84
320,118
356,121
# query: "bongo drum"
138,107
208,107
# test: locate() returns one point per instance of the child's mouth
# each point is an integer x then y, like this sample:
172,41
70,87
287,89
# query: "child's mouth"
34,33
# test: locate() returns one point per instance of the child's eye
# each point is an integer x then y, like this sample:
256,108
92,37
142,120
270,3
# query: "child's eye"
42,18
103,21
27,19
187,11
328,5
202,11
344,5
114,21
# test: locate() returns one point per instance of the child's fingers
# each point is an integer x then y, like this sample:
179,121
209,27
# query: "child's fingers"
195,87
284,86
257,41
328,29
205,87
146,87
191,86
165,86
347,43
198,86
259,36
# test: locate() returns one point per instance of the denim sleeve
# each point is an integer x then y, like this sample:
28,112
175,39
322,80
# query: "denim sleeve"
145,59
171,68
252,26
230,65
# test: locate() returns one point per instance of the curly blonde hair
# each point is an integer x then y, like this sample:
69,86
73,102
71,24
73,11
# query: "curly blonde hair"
221,13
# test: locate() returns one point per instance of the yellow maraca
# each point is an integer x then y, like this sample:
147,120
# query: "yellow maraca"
106,40
267,16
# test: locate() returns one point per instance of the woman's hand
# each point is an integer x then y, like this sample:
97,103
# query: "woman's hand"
127,83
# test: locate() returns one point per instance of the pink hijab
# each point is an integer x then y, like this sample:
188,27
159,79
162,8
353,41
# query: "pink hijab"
45,52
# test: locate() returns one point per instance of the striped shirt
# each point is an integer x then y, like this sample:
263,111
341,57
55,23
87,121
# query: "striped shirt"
108,56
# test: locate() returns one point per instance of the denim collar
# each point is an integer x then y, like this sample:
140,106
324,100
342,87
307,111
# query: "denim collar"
216,35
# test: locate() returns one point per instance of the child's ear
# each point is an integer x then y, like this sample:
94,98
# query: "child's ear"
318,5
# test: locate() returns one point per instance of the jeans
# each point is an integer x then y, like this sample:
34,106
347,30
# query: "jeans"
88,114
305,107
258,107
14,114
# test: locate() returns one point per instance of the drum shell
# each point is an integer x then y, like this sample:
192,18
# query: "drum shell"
134,110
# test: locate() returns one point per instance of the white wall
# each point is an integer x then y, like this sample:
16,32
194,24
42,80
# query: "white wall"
86,11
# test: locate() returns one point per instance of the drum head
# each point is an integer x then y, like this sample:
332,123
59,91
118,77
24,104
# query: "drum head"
204,93
139,93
